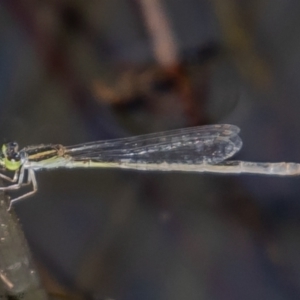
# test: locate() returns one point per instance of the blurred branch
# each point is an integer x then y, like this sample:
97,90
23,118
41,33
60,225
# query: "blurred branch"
238,39
18,274
160,30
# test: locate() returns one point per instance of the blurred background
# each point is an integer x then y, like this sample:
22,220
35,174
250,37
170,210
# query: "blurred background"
78,71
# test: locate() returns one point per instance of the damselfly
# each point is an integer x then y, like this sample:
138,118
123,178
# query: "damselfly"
195,149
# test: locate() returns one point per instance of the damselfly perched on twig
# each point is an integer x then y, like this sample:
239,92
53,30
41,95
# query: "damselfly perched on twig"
195,149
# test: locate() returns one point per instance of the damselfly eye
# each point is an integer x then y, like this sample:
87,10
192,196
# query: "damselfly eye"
10,150
13,146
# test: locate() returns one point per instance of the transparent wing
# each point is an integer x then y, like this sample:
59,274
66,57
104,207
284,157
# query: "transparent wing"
212,144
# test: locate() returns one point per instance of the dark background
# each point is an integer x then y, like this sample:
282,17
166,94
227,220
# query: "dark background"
77,71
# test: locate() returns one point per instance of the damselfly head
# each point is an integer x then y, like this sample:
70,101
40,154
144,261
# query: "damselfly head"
10,156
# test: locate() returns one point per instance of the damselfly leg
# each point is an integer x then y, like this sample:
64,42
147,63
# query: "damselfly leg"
9,179
30,179
20,177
